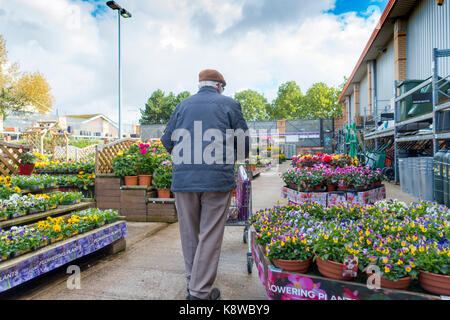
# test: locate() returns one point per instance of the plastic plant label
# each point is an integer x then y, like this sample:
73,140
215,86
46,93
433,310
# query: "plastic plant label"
350,268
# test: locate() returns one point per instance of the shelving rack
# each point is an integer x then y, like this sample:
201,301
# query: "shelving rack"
434,136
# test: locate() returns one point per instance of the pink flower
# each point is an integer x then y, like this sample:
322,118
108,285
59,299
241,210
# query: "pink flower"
143,151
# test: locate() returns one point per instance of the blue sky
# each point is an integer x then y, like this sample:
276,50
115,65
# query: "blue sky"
255,44
360,6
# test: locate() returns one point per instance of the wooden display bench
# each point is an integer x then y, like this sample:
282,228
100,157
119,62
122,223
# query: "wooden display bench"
139,203
31,265
284,285
136,203
60,210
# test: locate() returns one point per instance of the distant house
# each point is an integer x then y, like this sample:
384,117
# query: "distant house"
80,126
90,126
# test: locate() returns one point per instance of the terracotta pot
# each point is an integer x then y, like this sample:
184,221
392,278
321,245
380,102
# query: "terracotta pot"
331,269
292,186
331,187
131,180
343,188
400,284
164,193
26,169
293,265
145,180
435,283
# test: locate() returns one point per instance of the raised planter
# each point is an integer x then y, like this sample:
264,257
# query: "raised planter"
107,191
19,270
161,210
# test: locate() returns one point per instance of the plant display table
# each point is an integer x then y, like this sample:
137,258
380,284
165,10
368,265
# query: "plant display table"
369,196
62,209
29,266
284,285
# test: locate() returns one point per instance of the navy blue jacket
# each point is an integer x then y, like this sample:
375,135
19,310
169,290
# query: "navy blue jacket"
215,111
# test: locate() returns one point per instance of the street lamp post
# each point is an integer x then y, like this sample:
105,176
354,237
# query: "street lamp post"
121,12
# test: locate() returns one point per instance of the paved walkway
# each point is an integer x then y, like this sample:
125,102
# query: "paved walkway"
152,265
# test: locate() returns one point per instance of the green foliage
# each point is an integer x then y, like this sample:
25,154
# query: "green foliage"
27,158
254,105
321,103
125,166
288,102
160,107
162,177
83,143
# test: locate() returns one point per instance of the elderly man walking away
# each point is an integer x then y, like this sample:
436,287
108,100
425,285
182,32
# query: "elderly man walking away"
201,138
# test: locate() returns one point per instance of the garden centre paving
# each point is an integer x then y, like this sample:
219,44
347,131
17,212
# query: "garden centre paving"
152,266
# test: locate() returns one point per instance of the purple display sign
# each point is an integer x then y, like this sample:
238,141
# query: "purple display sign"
58,256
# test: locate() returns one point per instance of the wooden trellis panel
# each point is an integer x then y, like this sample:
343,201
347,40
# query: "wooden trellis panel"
106,153
9,154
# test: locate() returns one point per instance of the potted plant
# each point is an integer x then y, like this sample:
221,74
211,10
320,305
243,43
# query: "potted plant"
27,162
125,166
290,253
162,179
145,164
434,274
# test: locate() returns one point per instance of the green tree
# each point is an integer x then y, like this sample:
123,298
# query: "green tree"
159,107
321,102
288,103
254,105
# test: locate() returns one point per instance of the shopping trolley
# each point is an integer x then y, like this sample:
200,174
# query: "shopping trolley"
240,209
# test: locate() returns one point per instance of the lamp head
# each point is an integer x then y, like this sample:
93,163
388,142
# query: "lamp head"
125,14
113,5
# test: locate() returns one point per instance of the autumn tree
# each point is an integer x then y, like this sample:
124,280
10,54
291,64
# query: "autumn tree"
21,89
254,105
159,107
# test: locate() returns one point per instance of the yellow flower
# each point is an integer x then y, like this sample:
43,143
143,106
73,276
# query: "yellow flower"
387,270
120,153
57,228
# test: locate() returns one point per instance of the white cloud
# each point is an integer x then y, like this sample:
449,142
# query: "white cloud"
164,46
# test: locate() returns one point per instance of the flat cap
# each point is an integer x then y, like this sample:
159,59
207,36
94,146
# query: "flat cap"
212,75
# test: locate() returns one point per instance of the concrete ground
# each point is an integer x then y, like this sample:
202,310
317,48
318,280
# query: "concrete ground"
152,266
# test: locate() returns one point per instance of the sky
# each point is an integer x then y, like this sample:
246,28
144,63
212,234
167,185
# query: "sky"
255,44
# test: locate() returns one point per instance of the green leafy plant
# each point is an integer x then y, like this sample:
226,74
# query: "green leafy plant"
162,177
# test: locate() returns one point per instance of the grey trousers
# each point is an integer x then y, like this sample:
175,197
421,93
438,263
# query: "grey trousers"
201,217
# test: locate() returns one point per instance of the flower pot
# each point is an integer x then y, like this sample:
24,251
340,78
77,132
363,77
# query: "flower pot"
331,269
131,180
331,187
293,265
400,284
435,283
292,186
26,169
145,180
164,193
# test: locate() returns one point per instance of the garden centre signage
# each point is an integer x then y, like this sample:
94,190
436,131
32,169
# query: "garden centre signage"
12,275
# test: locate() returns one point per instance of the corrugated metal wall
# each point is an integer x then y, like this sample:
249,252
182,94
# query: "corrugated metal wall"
363,97
385,75
428,28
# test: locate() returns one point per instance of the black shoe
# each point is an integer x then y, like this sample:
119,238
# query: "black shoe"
213,295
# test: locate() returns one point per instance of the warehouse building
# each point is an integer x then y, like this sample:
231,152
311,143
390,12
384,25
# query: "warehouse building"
400,48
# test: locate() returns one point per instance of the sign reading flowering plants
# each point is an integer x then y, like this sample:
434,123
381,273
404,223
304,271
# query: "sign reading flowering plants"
350,251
